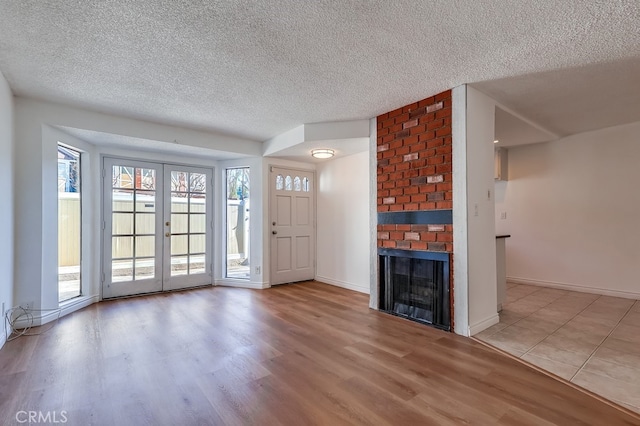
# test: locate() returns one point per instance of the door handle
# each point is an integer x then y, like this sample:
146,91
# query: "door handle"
274,232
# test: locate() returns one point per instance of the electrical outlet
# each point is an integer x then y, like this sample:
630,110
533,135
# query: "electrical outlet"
257,270
3,310
503,215
27,306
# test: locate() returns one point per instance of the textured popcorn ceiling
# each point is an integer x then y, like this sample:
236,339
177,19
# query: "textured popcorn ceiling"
260,68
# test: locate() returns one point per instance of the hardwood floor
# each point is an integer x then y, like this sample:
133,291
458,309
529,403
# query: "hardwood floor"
297,354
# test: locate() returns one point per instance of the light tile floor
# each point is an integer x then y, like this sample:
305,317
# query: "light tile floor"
591,340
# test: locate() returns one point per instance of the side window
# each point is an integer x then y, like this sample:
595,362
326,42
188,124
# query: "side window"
238,222
69,223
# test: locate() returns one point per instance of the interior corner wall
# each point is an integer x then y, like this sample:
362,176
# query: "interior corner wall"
572,211
7,190
343,230
480,238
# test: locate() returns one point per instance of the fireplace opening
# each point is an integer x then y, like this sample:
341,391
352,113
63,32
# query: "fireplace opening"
415,285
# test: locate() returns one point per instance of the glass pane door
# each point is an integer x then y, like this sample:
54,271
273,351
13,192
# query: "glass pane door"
188,225
132,228
157,227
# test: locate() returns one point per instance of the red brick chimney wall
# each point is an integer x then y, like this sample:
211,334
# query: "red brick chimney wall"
414,176
414,172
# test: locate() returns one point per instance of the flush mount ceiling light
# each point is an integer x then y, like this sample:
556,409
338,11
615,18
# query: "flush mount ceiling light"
496,141
322,153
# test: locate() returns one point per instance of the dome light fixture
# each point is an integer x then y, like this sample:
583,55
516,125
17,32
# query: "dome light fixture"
322,153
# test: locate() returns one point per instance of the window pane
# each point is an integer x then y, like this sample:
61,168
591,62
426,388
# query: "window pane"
145,179
122,224
145,201
122,270
297,186
196,264
197,244
179,181
287,183
179,244
179,223
121,247
69,223
123,177
179,202
198,222
305,184
279,182
145,269
237,229
145,223
197,203
122,200
179,265
198,182
145,246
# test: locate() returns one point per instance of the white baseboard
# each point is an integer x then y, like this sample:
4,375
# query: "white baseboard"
484,324
343,284
573,287
257,285
70,306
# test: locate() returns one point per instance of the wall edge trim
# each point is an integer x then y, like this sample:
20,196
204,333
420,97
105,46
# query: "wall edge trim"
256,285
343,284
484,324
574,287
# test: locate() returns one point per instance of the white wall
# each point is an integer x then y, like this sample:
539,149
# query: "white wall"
7,191
573,210
36,176
473,211
343,230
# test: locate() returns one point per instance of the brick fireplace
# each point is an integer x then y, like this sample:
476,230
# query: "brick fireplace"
414,184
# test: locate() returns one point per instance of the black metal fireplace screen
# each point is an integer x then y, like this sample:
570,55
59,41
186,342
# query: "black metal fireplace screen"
415,285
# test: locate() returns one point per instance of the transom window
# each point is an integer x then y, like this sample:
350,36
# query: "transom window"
286,183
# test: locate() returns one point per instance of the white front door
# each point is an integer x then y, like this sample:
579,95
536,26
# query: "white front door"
292,219
157,227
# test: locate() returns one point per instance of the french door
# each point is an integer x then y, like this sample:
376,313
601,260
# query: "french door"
157,227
